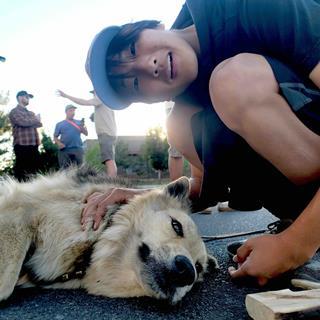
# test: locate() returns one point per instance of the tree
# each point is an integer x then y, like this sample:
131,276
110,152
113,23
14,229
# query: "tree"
155,150
6,163
48,154
128,165
92,157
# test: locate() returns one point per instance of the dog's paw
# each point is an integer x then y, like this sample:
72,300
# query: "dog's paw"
212,263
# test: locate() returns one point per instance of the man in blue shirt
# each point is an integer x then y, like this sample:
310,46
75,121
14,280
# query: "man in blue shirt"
67,137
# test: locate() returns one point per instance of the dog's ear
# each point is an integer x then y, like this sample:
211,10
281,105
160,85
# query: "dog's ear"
178,188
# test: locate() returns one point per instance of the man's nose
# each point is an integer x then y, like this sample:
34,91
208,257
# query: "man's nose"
150,66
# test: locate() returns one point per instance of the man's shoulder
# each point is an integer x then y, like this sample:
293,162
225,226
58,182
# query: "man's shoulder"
104,108
61,123
15,109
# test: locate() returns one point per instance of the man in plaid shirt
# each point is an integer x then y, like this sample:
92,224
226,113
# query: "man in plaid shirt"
25,137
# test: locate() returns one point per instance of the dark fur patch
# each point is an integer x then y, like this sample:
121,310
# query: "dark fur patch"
87,174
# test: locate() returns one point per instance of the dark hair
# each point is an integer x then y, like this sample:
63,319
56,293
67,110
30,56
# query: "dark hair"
128,34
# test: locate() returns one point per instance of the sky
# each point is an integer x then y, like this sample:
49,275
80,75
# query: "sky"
45,44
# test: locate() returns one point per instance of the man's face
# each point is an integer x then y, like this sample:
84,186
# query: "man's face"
161,66
23,100
70,113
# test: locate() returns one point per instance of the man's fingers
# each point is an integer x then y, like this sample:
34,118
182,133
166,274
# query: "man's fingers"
243,252
262,281
237,273
97,221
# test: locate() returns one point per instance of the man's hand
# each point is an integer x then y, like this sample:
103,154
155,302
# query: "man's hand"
60,145
60,93
98,202
268,256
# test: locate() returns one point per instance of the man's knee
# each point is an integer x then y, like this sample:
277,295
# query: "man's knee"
239,84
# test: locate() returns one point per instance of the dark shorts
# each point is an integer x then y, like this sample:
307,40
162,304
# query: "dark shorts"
234,172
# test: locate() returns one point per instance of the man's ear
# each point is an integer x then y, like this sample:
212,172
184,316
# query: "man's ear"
178,188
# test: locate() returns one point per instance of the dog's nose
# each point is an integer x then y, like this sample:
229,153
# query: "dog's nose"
182,272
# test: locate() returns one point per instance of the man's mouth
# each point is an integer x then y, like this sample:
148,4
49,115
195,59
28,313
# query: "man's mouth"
171,66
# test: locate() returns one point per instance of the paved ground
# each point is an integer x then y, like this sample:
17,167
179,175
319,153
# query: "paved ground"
217,298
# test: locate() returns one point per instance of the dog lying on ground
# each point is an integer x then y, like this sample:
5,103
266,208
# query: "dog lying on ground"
148,247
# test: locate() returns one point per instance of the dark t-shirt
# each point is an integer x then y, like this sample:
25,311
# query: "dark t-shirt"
289,32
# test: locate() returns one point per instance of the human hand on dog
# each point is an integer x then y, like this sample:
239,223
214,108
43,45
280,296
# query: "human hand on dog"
97,203
268,256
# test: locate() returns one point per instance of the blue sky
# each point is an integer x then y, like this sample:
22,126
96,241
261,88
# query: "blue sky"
45,44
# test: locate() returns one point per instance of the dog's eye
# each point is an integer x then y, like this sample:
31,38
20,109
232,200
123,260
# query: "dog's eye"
199,267
177,227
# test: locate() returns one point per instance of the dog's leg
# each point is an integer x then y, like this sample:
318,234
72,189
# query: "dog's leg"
16,239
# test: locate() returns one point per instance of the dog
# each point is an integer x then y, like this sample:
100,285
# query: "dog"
147,247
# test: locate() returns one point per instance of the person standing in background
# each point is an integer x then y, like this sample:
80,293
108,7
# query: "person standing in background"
25,137
67,137
106,129
175,158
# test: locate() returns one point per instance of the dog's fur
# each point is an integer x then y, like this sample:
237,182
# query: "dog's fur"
150,248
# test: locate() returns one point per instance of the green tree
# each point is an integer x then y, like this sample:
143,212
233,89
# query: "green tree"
127,164
6,163
155,150
92,157
48,154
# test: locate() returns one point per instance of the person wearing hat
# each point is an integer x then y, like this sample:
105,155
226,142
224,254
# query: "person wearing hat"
245,78
67,137
25,137
106,129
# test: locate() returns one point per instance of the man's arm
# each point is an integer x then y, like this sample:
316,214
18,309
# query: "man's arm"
58,142
195,183
20,119
315,75
268,256
84,130
56,135
83,102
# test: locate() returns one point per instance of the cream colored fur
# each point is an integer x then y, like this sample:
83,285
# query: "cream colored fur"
46,212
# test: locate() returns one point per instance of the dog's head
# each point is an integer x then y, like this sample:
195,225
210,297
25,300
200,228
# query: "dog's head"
161,252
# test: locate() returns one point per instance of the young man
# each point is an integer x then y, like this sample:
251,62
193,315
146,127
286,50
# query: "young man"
245,78
67,137
106,129
25,137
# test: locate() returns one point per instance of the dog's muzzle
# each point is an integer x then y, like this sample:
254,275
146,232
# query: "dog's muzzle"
182,273
168,279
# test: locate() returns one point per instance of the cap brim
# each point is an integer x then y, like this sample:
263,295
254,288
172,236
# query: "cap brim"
96,67
30,95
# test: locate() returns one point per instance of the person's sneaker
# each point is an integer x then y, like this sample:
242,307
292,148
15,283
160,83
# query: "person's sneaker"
232,247
206,211
272,228
278,226
224,207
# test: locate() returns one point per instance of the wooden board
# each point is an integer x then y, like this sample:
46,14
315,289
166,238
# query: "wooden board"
284,305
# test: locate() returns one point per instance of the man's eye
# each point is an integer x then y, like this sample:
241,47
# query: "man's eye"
177,227
132,49
136,84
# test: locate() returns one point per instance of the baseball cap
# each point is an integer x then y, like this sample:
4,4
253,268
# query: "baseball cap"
96,68
70,106
24,93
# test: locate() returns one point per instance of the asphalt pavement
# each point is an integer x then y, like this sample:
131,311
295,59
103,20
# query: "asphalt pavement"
218,297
